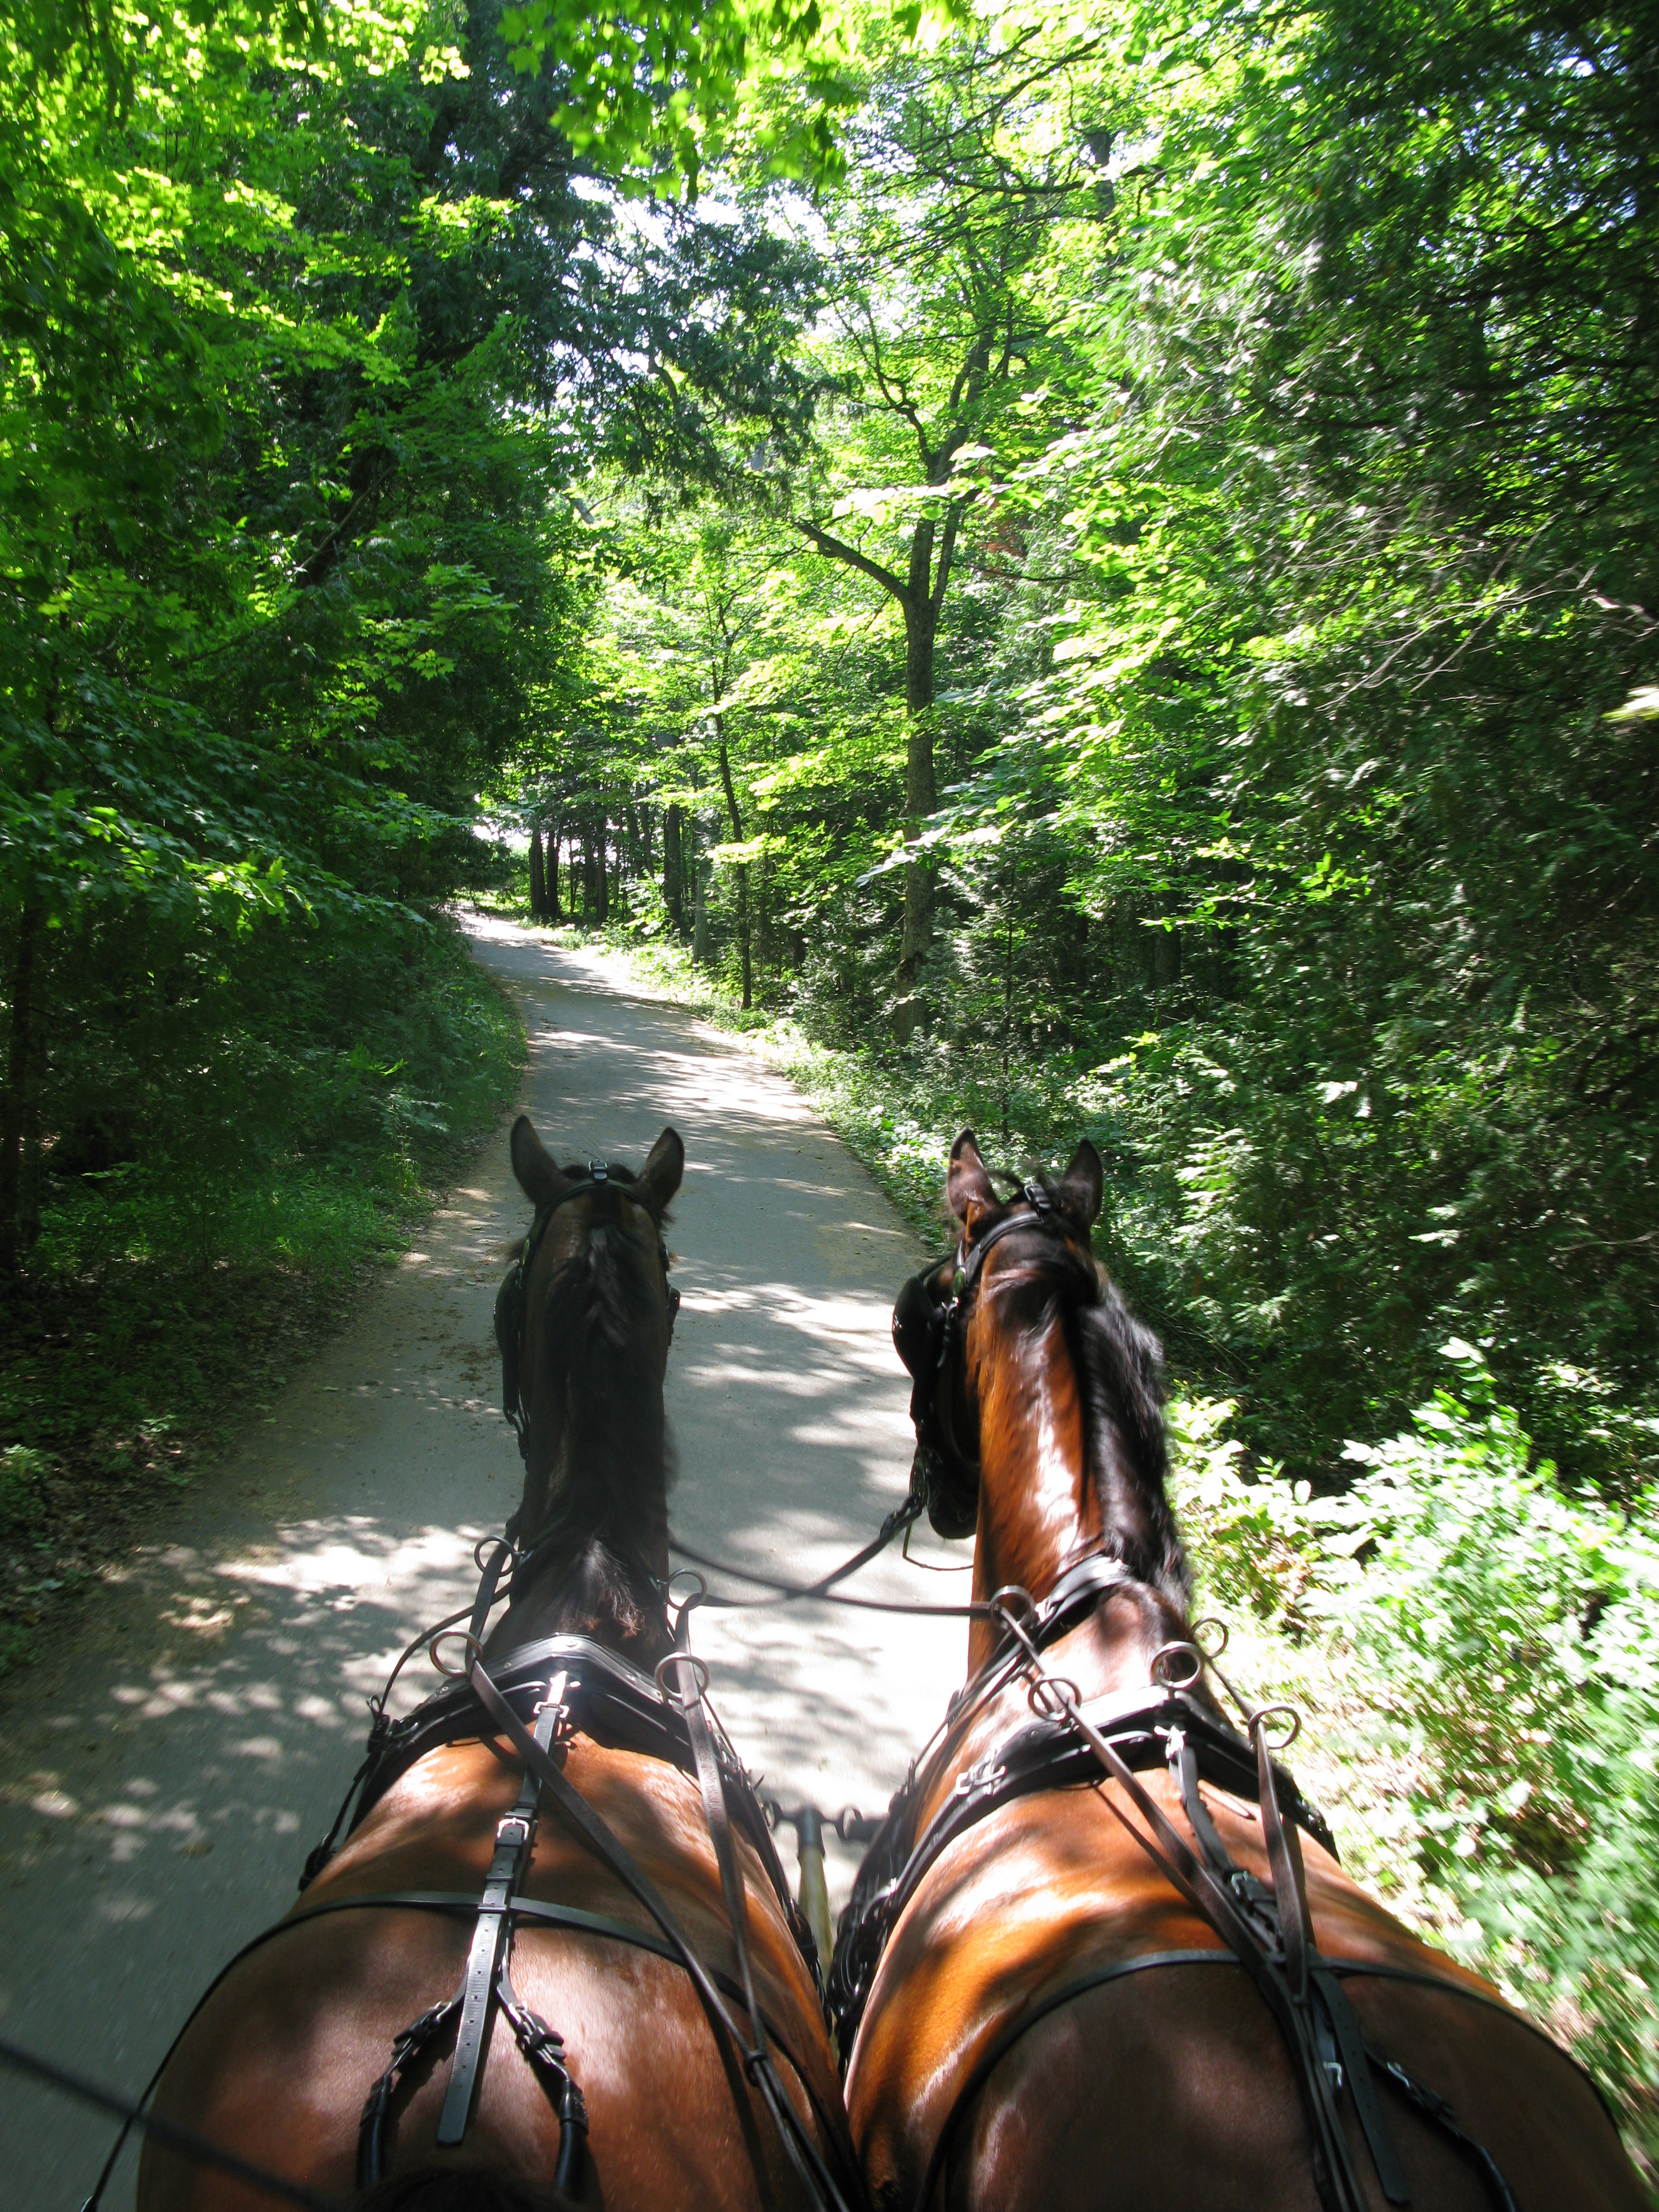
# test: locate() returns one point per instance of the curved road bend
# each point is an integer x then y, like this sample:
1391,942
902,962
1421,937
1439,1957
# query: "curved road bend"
163,1774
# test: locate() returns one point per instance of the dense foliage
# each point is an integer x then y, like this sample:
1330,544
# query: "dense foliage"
1279,389
1482,1693
309,321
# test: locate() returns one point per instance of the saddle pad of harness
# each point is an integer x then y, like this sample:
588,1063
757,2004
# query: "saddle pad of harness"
608,1699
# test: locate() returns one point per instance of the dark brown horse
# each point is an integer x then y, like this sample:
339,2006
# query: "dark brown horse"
1019,2043
280,2059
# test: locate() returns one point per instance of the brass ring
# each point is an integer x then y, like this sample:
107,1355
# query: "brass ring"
699,1675
455,1674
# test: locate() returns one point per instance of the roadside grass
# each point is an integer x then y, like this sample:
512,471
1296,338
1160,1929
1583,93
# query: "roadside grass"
166,1302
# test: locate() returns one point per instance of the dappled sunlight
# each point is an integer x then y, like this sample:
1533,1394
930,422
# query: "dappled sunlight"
169,1772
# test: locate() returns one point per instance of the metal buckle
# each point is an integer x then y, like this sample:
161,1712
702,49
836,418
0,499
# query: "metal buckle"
988,1771
504,1827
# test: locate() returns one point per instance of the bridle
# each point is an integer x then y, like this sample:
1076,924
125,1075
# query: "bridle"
930,1326
513,1299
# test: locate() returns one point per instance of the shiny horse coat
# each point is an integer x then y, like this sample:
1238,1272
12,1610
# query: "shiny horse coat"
279,2060
1017,2050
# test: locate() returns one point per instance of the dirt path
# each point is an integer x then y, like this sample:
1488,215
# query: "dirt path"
162,1776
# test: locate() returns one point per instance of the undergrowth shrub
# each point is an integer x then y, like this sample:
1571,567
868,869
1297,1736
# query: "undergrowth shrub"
1477,1654
256,1117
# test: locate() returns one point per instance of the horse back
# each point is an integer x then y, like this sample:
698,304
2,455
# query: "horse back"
279,2060
1139,2085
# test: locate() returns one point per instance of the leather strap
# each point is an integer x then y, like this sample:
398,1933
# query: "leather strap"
1042,1754
500,1555
717,1815
514,1838
1337,2182
586,1823
814,2176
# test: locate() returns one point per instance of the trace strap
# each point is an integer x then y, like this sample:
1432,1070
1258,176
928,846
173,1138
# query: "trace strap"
802,2155
488,1981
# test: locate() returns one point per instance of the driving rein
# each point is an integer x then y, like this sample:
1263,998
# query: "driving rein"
1265,1929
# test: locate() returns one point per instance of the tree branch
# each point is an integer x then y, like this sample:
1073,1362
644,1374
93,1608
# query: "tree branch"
835,550
953,514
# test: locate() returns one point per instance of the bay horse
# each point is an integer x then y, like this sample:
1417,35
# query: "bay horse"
1044,2009
468,2006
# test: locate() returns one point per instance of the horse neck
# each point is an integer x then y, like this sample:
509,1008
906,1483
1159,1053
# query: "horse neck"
1050,1494
591,1587
596,1460
595,1514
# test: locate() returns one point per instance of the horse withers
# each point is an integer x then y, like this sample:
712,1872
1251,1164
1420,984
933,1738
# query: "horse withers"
1101,1954
391,2038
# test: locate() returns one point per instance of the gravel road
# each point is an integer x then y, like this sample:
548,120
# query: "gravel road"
164,1771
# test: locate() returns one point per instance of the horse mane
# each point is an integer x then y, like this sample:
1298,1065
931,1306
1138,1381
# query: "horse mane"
1120,1372
610,1510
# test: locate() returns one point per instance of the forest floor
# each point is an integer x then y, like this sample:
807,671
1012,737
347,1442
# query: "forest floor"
102,1483
190,1725
128,1365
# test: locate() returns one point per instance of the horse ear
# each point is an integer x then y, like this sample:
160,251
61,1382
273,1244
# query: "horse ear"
969,1184
663,1171
1083,1184
539,1178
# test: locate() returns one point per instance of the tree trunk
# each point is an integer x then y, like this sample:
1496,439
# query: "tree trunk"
673,868
921,594
921,630
601,875
700,911
30,1185
13,1115
537,877
743,866
552,873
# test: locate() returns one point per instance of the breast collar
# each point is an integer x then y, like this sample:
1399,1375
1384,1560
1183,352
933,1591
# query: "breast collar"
606,1698
1149,1729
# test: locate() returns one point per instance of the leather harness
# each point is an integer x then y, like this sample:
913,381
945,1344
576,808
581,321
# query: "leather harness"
564,1685
1266,1930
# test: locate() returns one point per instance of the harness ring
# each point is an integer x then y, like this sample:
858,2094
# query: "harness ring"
1051,1697
1163,1660
455,1674
1265,1713
1016,1605
699,1674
